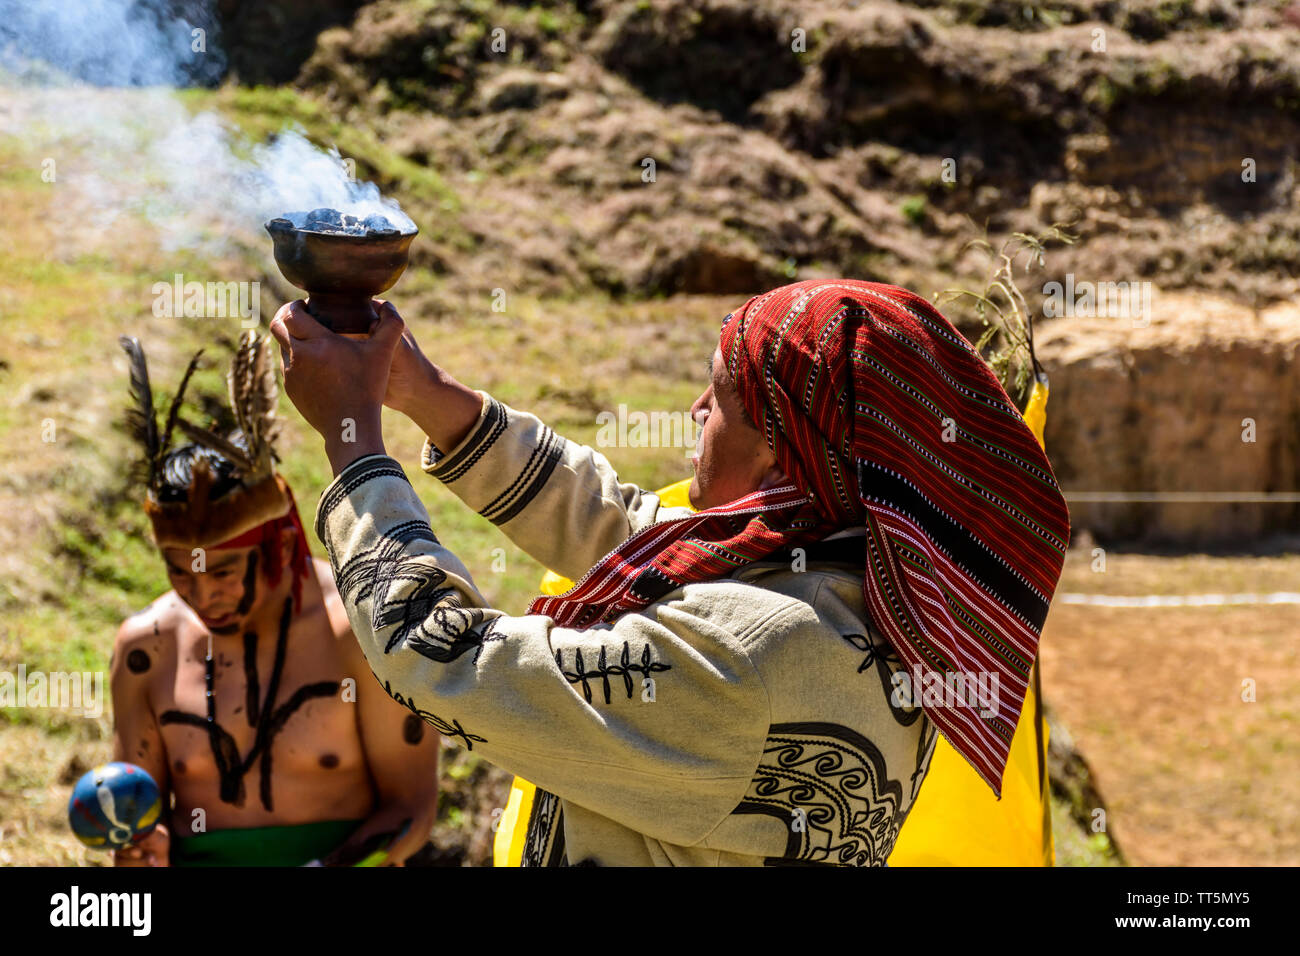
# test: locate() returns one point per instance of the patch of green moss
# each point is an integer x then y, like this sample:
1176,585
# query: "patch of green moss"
1102,94
914,209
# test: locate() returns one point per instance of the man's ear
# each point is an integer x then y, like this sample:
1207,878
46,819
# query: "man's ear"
287,538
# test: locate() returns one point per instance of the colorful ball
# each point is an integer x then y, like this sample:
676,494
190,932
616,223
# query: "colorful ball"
114,805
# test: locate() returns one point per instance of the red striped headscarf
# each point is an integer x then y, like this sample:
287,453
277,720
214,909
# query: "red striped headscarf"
883,416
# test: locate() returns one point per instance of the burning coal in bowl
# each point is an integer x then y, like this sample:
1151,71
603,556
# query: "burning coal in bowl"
342,260
334,223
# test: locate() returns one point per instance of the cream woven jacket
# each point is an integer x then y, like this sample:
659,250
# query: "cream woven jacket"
751,720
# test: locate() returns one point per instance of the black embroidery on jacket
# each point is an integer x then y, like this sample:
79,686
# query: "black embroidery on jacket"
452,729
882,655
493,426
455,622
544,840
828,786
429,617
357,579
411,610
625,669
862,643
349,480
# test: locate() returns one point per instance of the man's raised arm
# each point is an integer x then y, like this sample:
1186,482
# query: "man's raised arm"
561,502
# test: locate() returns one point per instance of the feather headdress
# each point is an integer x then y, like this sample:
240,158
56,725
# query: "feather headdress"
260,495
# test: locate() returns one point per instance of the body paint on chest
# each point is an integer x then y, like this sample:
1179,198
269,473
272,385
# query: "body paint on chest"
266,717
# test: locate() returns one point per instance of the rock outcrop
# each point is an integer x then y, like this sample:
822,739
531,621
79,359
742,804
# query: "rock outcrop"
1202,402
866,138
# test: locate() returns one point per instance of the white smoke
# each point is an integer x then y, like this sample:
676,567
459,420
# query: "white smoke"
92,86
112,42
291,175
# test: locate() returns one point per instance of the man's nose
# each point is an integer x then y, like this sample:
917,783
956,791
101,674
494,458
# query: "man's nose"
204,589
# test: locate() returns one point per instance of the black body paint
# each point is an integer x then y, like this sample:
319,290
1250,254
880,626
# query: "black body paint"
137,662
246,600
250,585
252,690
412,729
231,768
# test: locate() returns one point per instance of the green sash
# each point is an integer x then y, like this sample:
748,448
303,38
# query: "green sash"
262,846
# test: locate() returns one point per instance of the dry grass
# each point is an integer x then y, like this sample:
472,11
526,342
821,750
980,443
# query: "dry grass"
1139,574
39,770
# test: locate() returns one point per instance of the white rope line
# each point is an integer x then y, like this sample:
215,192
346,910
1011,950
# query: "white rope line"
1183,497
1180,600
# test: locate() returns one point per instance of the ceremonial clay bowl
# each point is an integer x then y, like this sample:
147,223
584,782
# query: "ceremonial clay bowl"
340,271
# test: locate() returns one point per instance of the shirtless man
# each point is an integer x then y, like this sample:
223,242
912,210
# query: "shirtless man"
244,694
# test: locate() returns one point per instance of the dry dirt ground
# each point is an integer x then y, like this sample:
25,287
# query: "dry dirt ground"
1193,773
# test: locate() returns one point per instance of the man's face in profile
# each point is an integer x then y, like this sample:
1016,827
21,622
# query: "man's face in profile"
731,458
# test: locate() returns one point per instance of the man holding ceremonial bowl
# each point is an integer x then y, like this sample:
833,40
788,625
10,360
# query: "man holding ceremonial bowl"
731,686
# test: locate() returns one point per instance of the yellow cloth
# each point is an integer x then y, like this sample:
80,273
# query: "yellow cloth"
956,820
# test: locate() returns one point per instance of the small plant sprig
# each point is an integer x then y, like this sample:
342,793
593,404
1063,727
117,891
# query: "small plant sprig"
1014,361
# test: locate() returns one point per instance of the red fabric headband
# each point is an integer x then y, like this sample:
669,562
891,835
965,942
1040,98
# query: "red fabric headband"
266,536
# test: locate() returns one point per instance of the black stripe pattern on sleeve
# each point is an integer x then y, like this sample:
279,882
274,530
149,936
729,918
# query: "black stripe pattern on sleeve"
350,479
492,426
530,480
